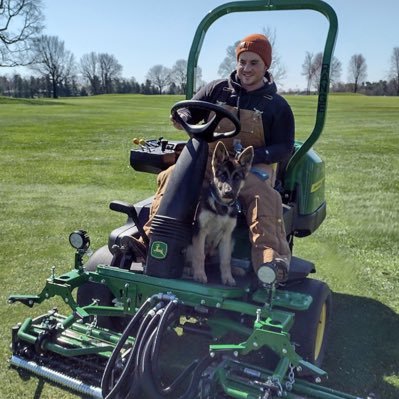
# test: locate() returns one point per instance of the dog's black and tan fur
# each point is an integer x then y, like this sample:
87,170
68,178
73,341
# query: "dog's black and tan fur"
217,213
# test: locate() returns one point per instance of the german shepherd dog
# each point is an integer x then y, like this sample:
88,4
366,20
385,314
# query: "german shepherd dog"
217,213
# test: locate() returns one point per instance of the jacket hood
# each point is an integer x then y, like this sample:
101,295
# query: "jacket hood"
269,87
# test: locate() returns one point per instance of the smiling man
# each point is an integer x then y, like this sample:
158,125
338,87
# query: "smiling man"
254,56
267,124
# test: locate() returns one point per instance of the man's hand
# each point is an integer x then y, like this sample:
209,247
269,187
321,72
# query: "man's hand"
184,114
176,124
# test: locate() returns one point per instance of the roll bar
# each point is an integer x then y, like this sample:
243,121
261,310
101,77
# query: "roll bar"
275,5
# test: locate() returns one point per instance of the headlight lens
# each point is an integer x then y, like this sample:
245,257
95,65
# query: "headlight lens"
267,274
79,239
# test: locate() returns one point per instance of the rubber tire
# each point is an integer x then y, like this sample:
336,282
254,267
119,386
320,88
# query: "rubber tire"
311,327
91,290
101,256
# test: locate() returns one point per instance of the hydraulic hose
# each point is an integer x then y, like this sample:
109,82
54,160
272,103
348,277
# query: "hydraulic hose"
141,367
150,360
196,368
151,356
150,320
128,383
107,391
152,386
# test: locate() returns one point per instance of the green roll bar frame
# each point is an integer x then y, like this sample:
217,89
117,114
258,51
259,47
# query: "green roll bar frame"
275,5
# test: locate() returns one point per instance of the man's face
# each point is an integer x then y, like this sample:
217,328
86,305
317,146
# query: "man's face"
250,70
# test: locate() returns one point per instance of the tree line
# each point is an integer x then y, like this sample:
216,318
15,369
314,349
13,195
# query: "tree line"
57,73
357,74
96,73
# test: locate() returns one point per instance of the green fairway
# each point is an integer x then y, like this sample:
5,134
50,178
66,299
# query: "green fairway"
62,162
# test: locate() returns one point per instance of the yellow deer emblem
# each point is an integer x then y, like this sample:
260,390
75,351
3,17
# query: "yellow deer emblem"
159,250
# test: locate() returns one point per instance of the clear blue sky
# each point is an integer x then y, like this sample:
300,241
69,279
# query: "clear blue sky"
141,34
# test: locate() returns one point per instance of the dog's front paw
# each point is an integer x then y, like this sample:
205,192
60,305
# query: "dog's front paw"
228,279
200,276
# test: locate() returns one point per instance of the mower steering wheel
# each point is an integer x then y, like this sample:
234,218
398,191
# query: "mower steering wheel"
207,130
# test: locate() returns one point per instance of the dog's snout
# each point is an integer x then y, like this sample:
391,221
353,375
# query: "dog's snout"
227,191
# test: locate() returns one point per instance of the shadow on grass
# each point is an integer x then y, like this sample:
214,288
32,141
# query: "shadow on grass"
363,347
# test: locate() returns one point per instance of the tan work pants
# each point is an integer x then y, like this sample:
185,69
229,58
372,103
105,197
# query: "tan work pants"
261,203
262,206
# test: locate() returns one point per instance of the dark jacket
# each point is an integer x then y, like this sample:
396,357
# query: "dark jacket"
277,117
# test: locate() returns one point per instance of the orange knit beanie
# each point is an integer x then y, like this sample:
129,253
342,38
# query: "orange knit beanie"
258,44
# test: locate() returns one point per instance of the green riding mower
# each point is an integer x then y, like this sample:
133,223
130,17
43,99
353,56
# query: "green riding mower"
139,328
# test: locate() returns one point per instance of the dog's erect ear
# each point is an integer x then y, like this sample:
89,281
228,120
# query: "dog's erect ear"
246,157
220,154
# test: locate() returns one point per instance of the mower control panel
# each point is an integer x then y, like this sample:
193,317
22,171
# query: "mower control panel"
153,156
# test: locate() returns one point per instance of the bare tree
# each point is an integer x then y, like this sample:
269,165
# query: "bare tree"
101,71
308,70
20,22
394,71
109,69
357,70
160,76
90,70
198,79
317,67
312,67
335,70
229,62
277,68
52,60
178,75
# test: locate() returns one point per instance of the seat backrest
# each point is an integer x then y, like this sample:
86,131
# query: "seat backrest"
130,228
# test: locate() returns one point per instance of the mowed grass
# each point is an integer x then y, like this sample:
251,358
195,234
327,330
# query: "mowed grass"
62,162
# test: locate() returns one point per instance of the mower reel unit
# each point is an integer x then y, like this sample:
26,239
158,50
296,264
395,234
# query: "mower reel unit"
139,326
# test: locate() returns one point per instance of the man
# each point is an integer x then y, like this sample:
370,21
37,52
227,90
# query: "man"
267,124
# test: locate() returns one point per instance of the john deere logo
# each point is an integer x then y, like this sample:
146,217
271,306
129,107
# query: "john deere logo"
159,250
